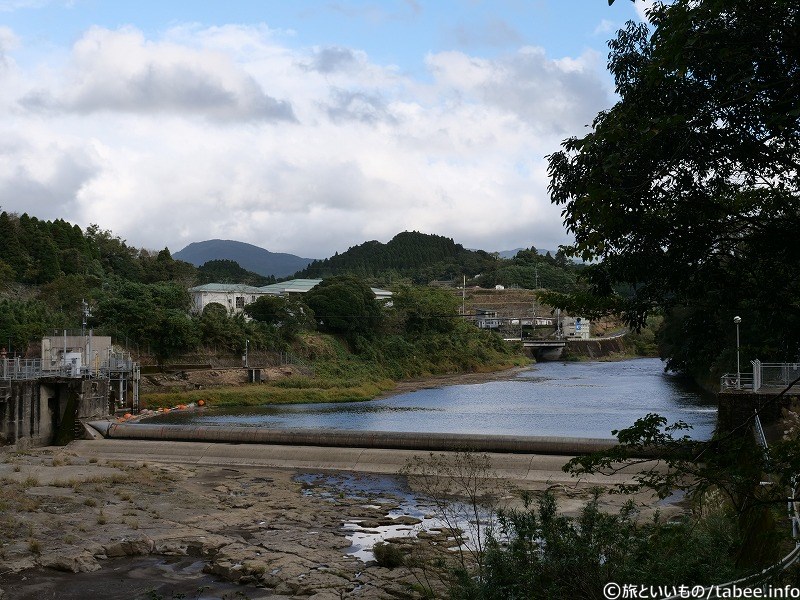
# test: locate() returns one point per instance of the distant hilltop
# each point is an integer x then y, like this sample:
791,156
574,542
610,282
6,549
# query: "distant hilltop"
253,258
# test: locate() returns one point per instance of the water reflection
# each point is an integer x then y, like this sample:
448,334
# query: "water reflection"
551,399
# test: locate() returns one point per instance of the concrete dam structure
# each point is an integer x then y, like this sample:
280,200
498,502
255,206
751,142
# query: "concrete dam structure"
48,410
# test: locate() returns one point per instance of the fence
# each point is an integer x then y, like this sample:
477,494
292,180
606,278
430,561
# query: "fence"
35,368
764,375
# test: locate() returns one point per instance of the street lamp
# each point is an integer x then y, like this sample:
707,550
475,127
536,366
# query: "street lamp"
246,344
737,319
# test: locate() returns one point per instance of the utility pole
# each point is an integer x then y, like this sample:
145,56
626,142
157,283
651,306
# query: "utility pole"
737,319
464,296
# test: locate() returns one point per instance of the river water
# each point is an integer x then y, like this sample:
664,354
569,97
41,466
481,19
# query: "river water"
576,399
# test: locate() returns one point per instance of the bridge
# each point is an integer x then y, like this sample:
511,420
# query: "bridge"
542,349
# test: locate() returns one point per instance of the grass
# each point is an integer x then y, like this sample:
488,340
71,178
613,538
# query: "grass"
342,376
34,546
257,394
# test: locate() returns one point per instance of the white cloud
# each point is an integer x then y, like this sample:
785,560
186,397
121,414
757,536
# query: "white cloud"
121,71
187,137
604,27
551,96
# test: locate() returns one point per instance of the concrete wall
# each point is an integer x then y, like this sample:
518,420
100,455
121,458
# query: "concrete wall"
737,407
595,348
44,411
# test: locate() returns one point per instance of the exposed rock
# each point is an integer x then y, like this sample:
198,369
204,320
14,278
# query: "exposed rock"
134,547
73,563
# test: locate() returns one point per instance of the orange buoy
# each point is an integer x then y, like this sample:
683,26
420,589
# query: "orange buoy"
128,415
201,403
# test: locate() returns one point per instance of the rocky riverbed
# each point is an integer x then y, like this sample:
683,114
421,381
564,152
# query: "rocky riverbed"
73,526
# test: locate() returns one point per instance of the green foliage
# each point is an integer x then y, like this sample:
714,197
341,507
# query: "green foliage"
687,188
531,270
730,467
421,310
344,305
537,552
421,258
24,320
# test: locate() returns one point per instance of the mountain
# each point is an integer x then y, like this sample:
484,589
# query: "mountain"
250,257
421,256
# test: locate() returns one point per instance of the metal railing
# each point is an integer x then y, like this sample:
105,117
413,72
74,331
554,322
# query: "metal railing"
19,369
736,381
764,375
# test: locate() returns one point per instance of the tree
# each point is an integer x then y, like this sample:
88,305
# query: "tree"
425,310
344,305
287,314
685,193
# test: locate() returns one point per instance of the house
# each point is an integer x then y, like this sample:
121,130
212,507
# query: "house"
235,296
486,319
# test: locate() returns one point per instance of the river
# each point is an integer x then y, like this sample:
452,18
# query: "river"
576,399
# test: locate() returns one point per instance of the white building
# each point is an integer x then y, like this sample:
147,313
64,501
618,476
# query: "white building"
235,296
486,319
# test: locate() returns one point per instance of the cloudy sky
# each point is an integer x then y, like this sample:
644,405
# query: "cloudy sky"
305,126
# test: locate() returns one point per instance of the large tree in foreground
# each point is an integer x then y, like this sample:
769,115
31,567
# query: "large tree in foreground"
685,194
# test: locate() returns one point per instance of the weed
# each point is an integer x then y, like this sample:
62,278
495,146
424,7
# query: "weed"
34,546
90,502
29,482
388,555
101,518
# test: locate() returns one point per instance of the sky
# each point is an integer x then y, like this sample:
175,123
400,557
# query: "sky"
304,127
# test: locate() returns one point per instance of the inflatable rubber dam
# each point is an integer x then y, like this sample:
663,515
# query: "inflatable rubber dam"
446,442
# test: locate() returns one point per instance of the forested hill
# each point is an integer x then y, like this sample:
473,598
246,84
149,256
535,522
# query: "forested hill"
423,258
419,256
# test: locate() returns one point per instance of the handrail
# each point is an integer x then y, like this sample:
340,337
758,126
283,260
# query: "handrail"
23,369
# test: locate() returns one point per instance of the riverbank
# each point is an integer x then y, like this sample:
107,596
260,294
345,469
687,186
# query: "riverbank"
129,520
288,385
439,381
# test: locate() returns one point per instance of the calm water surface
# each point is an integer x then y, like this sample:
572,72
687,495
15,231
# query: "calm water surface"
551,399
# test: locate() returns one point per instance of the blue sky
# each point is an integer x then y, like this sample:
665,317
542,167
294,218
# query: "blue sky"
303,126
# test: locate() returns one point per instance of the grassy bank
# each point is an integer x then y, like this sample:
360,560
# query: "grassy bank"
360,369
